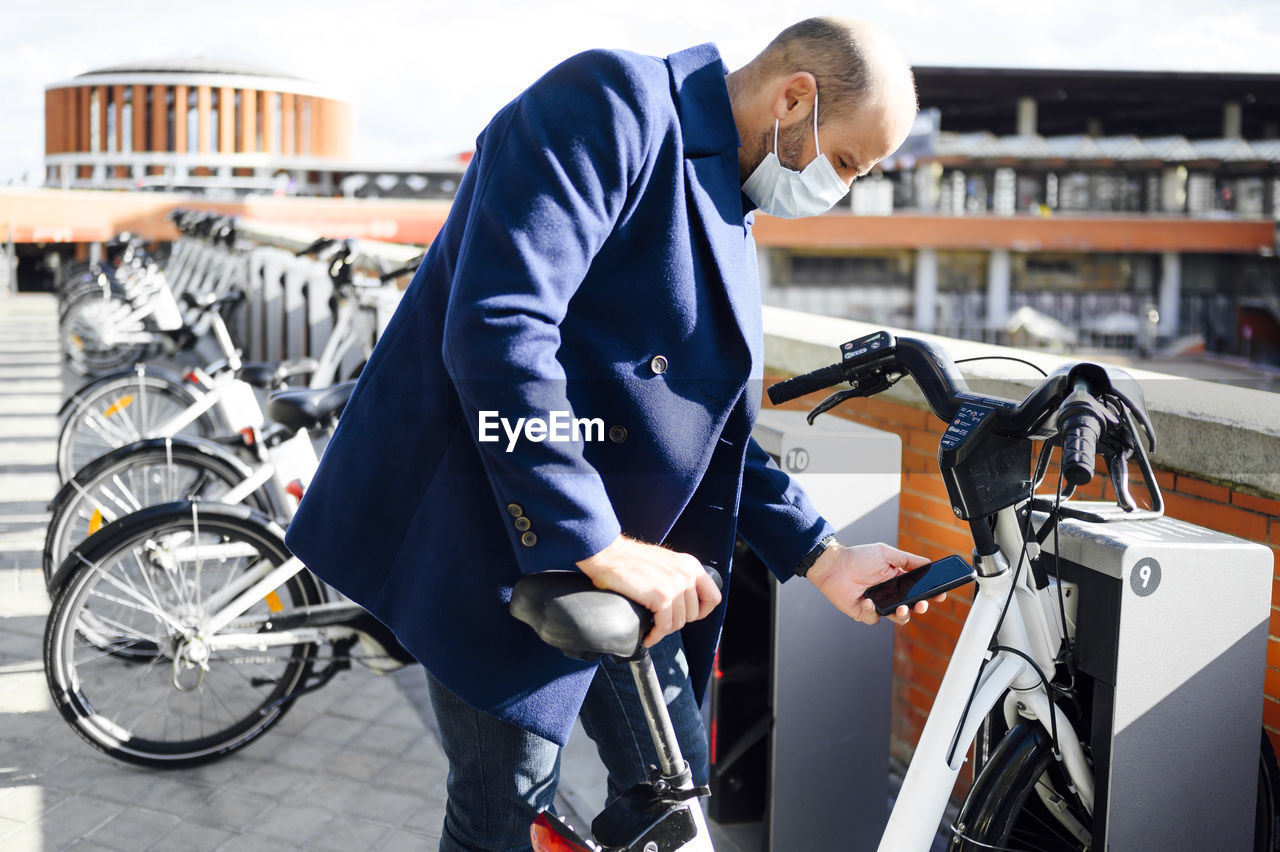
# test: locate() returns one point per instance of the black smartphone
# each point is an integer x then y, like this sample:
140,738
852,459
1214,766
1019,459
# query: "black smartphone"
920,584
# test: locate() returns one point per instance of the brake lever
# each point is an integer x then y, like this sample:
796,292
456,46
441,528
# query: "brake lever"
1118,473
830,403
867,383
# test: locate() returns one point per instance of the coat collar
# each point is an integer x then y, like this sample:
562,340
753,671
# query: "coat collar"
702,101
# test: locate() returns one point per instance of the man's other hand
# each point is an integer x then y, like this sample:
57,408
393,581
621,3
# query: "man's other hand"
673,585
843,575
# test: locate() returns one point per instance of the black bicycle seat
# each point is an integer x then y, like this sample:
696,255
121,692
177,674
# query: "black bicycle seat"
303,408
258,374
569,613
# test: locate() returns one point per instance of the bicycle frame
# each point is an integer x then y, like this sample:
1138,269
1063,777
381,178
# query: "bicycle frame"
1027,627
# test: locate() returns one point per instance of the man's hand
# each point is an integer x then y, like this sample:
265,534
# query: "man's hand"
673,585
843,575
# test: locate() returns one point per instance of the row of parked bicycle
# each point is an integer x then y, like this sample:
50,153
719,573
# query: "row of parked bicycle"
182,628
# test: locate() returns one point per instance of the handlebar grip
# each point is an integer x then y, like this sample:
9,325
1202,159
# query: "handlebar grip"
798,386
1080,431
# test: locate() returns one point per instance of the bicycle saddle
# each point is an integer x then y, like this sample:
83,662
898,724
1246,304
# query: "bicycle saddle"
267,376
569,613
303,408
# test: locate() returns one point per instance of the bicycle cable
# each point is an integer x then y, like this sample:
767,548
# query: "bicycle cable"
1003,358
964,715
957,833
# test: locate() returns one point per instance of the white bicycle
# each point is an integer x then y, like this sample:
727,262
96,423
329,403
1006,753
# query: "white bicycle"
1014,682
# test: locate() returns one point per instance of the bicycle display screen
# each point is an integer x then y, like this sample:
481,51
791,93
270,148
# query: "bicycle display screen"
920,584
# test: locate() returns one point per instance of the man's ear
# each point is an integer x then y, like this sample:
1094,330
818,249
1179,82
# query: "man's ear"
794,96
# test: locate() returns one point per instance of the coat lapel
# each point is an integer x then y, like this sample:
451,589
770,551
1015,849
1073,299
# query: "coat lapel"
711,178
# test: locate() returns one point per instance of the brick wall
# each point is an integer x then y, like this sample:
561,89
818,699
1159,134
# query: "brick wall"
927,526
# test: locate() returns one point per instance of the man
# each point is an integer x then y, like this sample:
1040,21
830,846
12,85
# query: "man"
572,378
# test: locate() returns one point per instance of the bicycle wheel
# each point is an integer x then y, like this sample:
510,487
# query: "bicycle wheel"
122,408
90,334
1004,811
123,650
134,476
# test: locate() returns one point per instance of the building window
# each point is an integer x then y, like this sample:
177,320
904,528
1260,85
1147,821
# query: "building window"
169,140
277,125
112,130
126,122
193,121
304,126
236,144
215,122
95,119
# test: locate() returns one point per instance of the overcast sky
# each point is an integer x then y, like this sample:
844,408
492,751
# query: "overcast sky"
424,77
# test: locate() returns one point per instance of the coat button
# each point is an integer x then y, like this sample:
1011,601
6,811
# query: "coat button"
658,364
617,434
515,510
522,523
528,539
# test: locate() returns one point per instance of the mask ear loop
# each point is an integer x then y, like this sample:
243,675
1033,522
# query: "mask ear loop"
775,137
815,123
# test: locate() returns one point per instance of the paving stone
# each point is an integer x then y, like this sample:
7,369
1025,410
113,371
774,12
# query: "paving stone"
255,843
80,769
75,817
126,788
267,778
192,837
28,838
180,798
330,792
229,809
292,823
344,835
124,831
387,740
410,841
383,806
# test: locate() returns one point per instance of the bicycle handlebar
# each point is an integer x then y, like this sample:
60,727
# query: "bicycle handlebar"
1084,403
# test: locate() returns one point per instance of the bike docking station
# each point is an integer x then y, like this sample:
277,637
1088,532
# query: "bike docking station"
1172,634
798,707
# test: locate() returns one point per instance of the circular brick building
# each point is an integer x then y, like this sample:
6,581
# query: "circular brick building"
192,124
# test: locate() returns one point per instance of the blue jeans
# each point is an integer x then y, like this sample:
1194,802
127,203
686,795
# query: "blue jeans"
501,776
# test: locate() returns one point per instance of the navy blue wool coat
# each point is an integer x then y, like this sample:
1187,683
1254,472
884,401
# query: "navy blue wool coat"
597,262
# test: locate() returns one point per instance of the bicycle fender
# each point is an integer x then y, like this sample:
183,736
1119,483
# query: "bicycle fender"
148,514
161,372
1006,771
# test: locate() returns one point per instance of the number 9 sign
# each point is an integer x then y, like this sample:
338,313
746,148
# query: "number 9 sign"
1145,577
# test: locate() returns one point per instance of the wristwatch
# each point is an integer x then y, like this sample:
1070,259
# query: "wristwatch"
812,556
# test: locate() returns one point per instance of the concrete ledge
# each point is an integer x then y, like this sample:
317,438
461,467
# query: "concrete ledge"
1213,431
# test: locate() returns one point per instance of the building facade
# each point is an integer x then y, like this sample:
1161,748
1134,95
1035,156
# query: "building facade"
1116,209
192,125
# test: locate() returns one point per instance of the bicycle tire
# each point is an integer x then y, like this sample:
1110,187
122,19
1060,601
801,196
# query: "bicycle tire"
132,477
102,416
79,335
1002,810
124,699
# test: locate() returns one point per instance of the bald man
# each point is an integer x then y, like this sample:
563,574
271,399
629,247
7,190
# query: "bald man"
596,269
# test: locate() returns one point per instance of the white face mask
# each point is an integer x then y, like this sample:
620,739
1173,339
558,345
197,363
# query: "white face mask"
789,194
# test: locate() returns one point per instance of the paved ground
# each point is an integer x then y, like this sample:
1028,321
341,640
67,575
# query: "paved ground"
354,766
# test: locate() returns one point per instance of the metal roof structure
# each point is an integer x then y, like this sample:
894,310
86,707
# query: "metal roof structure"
1139,103
188,65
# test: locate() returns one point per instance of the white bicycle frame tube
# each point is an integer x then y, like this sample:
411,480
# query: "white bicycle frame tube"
340,340
219,616
930,777
954,718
